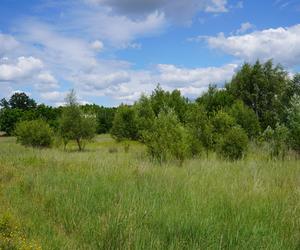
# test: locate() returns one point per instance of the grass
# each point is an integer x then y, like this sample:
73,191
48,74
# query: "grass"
101,200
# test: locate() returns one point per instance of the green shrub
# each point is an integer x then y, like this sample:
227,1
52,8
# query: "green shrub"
294,123
233,144
167,139
246,118
125,124
277,140
36,133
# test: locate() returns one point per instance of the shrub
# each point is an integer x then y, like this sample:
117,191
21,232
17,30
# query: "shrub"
294,123
167,139
36,133
277,140
233,144
125,124
246,118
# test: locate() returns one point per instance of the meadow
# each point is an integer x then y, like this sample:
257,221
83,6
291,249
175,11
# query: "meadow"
107,198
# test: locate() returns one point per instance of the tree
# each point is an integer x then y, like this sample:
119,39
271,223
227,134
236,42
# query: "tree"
263,88
246,118
168,139
215,99
125,124
144,115
36,133
74,124
199,127
277,140
9,118
21,101
233,144
294,123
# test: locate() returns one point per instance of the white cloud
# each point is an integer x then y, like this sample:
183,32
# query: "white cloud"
280,44
24,67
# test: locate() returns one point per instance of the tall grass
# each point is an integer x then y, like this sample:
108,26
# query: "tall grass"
101,200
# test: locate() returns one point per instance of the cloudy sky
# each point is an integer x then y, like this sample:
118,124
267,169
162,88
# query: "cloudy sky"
110,51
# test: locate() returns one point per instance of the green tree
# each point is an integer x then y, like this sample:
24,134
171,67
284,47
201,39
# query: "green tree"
21,101
125,124
277,140
294,123
145,115
74,124
263,88
233,144
9,118
200,128
36,133
246,118
168,139
215,99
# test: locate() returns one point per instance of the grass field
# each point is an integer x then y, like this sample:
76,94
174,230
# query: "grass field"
102,199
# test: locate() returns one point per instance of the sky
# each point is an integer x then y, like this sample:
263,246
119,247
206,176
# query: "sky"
112,51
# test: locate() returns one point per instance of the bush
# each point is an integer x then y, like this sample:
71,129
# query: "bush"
277,140
125,124
294,123
167,139
246,118
234,144
36,133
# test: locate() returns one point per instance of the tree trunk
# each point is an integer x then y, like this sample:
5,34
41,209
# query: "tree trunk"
79,144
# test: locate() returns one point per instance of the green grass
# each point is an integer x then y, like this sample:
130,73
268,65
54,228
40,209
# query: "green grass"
101,200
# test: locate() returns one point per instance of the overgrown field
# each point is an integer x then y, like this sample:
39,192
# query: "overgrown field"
105,198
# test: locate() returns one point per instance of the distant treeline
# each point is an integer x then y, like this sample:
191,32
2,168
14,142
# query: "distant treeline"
260,103
22,108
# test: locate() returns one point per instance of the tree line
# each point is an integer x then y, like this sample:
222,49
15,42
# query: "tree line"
261,104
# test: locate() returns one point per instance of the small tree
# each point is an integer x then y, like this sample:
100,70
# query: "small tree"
125,124
36,133
246,118
277,140
233,144
75,125
294,123
167,139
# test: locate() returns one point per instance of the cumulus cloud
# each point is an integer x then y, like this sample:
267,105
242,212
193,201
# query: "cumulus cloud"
280,44
24,67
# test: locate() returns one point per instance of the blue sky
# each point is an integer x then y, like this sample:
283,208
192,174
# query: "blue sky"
111,51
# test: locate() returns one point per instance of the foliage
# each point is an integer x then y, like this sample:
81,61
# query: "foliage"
233,144
18,101
264,88
246,118
36,133
167,139
9,118
200,128
215,99
294,123
74,124
277,140
125,124
162,100
145,115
